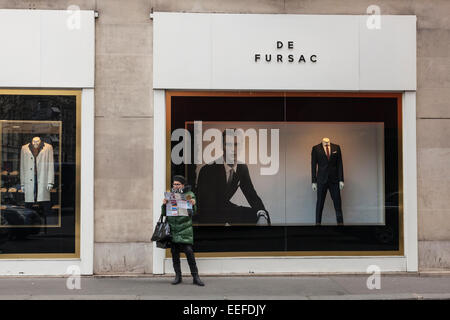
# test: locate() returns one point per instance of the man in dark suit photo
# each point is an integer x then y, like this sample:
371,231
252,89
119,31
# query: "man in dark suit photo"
216,185
327,174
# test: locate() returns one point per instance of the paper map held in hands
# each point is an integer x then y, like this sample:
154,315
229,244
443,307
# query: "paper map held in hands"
177,204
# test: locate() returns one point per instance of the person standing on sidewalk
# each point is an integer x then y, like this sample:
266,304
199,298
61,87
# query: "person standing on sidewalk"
182,232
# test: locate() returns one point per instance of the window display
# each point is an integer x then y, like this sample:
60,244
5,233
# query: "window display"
38,203
265,167
273,187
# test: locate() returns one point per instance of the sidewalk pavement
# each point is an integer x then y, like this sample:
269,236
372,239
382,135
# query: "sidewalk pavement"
311,287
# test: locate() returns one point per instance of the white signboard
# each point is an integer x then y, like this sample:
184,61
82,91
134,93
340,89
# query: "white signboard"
283,52
47,48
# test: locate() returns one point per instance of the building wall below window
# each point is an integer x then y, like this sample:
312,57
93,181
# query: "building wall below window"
124,117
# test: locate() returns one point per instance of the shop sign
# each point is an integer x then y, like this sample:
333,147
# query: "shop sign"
298,57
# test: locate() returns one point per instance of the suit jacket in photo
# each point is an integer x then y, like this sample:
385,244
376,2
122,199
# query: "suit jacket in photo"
324,170
213,193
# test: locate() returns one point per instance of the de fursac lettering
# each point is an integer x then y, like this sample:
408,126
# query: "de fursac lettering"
288,58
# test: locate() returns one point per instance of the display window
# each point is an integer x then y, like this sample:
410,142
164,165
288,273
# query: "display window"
283,173
39,152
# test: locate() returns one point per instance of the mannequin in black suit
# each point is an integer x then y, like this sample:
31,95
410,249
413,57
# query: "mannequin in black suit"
327,174
216,185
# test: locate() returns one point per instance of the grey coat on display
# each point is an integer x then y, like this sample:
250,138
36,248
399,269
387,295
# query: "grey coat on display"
41,168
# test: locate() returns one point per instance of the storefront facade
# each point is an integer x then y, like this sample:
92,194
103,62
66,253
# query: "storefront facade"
303,77
287,76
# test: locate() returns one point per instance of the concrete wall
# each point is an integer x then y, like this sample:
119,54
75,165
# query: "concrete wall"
124,116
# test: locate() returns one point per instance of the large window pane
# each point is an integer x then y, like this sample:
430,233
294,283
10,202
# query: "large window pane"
38,173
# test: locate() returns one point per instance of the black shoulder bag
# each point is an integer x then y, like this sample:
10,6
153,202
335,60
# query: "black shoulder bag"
162,234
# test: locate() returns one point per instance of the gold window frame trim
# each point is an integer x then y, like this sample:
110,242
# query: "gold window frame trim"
77,238
326,254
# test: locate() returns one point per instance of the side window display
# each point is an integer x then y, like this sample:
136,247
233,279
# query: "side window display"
40,173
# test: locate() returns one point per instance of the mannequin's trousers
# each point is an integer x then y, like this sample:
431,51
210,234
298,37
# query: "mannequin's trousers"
335,193
176,248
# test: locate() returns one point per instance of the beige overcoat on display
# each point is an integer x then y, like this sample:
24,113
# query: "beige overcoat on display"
45,172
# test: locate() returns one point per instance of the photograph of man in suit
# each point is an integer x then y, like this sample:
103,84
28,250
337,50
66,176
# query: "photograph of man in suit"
327,174
216,185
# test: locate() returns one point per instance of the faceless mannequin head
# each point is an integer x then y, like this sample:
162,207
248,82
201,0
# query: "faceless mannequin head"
325,141
36,142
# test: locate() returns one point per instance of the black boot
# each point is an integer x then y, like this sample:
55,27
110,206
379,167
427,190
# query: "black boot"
197,280
193,265
176,264
178,278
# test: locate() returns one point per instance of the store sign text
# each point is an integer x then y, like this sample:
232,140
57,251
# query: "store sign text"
281,58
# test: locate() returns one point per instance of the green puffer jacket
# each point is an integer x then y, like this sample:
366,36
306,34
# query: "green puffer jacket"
181,227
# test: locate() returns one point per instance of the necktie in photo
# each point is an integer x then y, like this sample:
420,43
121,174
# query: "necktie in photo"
328,151
230,177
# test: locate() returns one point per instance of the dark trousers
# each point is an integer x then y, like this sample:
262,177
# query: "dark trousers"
176,248
335,193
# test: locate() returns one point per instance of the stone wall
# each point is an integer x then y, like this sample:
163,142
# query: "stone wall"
124,116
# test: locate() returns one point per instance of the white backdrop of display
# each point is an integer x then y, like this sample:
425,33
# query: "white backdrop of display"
288,195
362,147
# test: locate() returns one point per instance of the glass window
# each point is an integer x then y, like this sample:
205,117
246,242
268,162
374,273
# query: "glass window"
38,150
309,174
